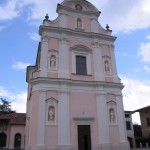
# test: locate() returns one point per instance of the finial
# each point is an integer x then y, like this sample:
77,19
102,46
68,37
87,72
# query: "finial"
107,27
46,17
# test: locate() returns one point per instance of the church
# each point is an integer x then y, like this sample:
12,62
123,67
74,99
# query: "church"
74,92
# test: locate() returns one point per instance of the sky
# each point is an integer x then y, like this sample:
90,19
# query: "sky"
129,21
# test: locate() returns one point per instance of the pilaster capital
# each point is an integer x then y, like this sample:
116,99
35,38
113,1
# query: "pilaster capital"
111,47
44,38
64,40
95,44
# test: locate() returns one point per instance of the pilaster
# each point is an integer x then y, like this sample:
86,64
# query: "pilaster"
44,56
114,68
63,58
94,25
98,67
41,120
63,119
63,20
30,122
102,116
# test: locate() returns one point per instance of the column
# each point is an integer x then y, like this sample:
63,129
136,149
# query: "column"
114,68
44,56
41,120
121,119
63,119
98,65
102,116
64,58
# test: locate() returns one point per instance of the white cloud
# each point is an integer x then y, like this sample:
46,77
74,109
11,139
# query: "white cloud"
34,36
122,54
126,16
136,94
122,16
144,52
18,100
8,10
20,65
3,92
146,68
148,37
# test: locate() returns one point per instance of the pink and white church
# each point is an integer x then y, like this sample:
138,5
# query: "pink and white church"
74,92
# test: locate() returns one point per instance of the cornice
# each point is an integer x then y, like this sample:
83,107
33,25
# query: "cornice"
59,30
70,82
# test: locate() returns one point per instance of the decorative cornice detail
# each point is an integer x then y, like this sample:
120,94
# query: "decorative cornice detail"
64,40
83,118
69,32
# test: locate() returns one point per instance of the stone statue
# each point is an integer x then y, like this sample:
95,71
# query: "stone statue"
51,113
112,115
53,61
107,69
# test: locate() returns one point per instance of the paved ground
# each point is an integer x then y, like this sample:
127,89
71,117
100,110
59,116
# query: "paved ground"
141,149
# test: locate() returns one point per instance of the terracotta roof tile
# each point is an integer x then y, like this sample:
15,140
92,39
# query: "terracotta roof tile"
14,118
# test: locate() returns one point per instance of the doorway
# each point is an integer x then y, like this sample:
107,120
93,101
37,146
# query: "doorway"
17,141
3,139
84,137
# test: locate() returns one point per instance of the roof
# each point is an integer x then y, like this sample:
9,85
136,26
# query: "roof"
14,118
141,109
129,112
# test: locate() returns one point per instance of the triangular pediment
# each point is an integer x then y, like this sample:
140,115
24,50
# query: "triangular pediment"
52,100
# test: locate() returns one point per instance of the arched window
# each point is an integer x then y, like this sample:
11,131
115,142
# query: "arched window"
3,139
79,23
17,140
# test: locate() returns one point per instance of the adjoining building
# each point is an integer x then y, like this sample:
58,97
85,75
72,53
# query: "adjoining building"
129,128
74,92
145,120
12,130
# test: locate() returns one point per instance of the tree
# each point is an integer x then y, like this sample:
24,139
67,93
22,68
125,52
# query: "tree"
5,106
137,130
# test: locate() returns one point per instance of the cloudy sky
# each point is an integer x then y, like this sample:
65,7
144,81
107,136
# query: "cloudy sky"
129,20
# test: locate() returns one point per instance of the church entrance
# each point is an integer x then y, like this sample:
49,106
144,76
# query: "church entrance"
84,137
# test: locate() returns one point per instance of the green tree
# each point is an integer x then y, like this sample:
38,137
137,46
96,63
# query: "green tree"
137,130
5,106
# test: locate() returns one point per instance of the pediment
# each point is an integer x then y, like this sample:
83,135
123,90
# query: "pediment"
52,100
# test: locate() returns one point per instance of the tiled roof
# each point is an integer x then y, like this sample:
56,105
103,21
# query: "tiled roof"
144,108
14,118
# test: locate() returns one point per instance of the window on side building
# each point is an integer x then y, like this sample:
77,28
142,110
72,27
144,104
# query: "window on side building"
128,125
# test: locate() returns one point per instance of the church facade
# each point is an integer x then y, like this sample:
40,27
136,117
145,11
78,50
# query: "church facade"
74,92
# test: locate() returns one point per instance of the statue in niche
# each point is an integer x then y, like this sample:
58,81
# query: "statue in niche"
112,117
107,68
79,23
53,61
51,113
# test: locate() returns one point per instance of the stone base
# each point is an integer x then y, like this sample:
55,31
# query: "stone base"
105,146
109,146
121,146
